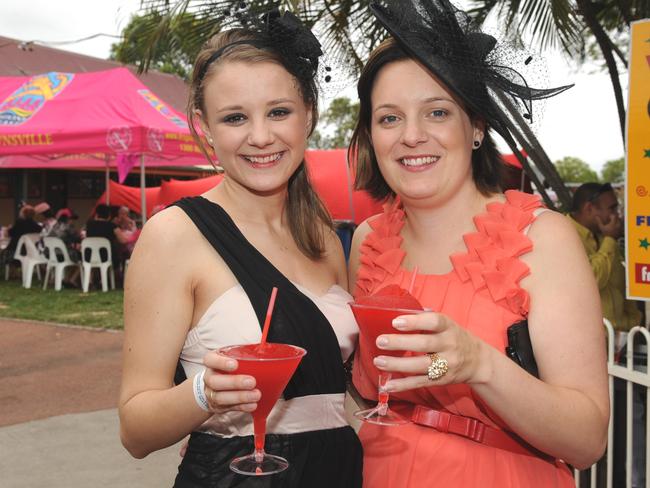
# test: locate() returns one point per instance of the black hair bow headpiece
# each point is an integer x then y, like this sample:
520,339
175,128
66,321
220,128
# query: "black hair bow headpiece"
281,32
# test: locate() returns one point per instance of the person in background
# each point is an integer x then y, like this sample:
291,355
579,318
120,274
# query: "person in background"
45,217
24,224
129,229
595,215
65,230
123,219
479,260
101,226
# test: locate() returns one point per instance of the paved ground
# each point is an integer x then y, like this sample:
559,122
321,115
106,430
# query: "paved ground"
58,422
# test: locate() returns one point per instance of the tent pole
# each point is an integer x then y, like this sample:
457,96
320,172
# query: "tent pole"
143,193
108,179
350,189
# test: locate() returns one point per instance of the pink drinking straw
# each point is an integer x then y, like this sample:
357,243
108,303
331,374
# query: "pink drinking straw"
413,276
269,312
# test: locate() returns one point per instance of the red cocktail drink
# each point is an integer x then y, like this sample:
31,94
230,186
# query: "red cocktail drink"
374,315
272,366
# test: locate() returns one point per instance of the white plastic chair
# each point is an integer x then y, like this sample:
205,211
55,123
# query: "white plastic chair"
30,257
93,249
58,259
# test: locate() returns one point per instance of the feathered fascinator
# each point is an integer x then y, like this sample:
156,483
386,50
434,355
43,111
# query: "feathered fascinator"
281,32
446,41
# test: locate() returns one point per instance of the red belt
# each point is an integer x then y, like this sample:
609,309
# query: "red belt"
472,429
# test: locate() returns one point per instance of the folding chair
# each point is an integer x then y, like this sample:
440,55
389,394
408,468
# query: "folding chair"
58,259
96,253
30,257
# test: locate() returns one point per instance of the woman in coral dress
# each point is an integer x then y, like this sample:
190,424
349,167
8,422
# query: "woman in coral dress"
480,261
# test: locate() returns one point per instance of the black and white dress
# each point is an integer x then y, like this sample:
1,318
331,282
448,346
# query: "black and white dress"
307,426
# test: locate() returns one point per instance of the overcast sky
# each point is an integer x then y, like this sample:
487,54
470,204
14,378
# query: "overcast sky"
582,122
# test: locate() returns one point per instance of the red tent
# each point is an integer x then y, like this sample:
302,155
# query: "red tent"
172,190
130,196
333,181
328,172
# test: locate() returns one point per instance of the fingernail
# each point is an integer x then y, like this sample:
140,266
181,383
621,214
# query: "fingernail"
388,387
248,383
253,397
379,362
382,341
399,323
231,364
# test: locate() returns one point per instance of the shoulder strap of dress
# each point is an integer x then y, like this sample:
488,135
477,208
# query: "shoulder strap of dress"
536,213
296,319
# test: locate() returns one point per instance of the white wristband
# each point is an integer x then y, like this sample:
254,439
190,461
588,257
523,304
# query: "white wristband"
199,391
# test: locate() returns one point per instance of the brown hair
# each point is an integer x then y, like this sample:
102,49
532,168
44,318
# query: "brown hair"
487,166
306,212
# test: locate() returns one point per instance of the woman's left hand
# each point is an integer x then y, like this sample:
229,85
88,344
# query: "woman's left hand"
461,350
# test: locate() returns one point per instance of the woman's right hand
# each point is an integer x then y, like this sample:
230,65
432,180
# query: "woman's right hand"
228,392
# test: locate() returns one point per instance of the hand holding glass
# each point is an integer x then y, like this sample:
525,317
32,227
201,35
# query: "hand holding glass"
272,366
374,321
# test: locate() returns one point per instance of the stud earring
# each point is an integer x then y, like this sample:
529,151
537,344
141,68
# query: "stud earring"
477,144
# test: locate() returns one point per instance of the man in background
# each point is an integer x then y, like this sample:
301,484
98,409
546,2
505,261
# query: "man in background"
596,218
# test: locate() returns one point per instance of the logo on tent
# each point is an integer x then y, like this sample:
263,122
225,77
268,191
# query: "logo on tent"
162,107
119,138
30,97
155,139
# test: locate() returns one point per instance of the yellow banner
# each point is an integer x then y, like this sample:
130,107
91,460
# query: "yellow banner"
637,164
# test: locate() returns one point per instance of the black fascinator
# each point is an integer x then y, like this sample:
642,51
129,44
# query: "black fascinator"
452,47
281,32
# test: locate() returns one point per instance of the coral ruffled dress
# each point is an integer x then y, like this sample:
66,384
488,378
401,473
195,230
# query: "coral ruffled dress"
482,294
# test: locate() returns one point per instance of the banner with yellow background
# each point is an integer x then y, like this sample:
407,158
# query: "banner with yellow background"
637,180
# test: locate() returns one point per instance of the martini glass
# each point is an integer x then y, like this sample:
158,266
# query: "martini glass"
272,365
374,321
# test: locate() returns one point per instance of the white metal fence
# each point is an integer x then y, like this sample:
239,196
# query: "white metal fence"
634,371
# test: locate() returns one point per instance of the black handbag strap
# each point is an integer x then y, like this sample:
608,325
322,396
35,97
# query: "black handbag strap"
296,319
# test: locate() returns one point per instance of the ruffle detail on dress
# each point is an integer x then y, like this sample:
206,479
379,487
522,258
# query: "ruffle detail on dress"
491,260
380,252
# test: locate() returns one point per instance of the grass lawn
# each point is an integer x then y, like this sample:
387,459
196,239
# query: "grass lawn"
94,309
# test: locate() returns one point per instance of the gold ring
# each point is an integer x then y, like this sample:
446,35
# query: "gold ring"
212,392
438,367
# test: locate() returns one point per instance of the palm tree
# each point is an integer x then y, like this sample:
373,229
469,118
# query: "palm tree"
347,29
575,27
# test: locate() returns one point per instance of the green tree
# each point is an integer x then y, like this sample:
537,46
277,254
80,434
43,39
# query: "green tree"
614,171
172,53
575,170
341,116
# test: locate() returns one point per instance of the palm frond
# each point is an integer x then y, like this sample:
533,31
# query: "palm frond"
548,23
348,29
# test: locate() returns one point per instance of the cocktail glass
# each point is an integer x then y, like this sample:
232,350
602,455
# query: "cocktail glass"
374,321
272,365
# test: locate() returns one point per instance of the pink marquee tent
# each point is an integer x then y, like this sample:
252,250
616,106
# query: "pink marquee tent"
90,119
80,116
